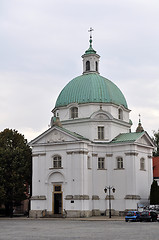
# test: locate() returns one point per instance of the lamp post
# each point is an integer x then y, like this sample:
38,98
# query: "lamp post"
113,190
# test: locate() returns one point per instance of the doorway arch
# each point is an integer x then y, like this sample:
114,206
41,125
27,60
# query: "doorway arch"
56,180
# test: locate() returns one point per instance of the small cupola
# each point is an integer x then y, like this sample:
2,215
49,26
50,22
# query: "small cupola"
55,121
139,128
90,58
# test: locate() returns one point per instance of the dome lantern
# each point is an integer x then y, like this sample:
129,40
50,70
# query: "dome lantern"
90,58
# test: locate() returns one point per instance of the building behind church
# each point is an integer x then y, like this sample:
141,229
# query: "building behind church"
90,147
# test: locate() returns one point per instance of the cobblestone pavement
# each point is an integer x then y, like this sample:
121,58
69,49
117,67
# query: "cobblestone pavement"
66,229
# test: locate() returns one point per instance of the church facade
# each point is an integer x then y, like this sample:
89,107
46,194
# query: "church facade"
90,148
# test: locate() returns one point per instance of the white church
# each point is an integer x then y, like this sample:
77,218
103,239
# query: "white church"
88,148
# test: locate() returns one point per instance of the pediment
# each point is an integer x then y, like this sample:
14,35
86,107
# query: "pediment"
145,140
54,135
57,136
101,115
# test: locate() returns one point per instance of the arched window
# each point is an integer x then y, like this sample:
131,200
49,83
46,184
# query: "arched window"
142,164
57,163
97,66
120,114
88,66
74,112
119,162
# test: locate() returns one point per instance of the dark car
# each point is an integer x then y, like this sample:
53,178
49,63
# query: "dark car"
150,216
132,216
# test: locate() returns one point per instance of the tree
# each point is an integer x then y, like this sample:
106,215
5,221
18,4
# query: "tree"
154,193
156,141
15,169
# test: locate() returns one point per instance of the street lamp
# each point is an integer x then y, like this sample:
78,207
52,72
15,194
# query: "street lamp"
113,190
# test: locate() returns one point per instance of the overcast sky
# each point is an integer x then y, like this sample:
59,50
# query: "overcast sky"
41,43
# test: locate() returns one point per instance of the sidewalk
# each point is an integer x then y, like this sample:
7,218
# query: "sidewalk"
93,218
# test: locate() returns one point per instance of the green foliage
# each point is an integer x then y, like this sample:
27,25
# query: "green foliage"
156,141
154,193
15,167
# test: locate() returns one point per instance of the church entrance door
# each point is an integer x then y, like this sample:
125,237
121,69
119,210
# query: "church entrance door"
57,200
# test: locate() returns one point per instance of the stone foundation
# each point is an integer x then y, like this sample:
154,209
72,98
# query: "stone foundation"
37,213
96,212
78,214
75,213
113,212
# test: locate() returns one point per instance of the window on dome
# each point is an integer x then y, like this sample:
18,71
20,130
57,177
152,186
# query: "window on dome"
74,112
142,164
88,66
120,114
57,163
97,66
101,133
119,163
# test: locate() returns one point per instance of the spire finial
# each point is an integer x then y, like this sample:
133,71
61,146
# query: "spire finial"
139,118
90,30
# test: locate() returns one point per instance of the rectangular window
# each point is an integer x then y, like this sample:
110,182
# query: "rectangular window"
142,164
100,163
100,132
57,162
119,163
88,162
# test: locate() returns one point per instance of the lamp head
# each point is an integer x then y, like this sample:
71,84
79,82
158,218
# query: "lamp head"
105,190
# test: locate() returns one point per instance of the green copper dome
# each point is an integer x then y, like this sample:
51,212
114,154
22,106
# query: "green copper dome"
90,88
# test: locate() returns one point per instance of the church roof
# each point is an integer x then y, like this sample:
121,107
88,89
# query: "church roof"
127,137
90,88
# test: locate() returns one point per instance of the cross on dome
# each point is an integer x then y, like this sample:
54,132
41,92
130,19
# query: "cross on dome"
90,30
